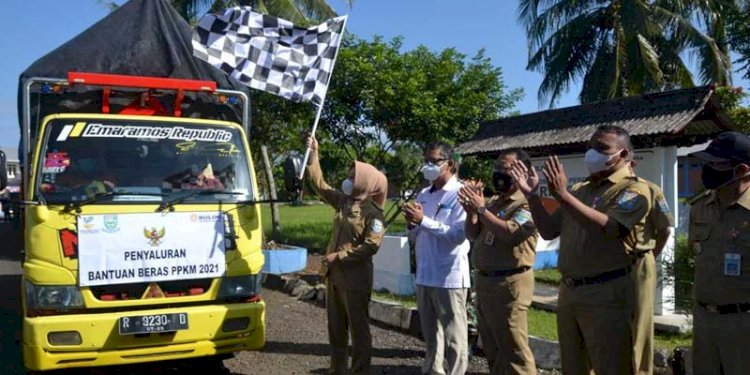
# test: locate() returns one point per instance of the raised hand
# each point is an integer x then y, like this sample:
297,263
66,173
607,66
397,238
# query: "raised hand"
526,180
557,180
471,197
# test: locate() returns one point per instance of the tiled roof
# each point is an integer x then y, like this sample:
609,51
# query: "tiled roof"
672,113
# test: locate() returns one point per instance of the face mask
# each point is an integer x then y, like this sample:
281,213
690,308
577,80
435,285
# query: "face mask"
502,181
347,186
713,178
431,171
597,162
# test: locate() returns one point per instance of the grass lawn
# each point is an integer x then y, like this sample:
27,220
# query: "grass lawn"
406,301
310,226
548,276
544,324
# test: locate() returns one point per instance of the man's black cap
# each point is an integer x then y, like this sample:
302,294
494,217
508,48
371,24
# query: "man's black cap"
727,146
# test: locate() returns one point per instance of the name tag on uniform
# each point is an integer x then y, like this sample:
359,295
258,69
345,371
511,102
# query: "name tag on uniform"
489,239
732,264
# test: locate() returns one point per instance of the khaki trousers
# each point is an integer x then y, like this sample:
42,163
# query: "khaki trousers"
643,324
502,306
721,343
594,324
348,312
445,328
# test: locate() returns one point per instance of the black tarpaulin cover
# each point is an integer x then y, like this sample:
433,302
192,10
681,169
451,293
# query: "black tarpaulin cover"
142,37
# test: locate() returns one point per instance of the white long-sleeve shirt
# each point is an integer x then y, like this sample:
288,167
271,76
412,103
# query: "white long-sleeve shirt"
442,250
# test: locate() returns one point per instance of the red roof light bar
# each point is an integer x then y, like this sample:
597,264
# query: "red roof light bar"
116,80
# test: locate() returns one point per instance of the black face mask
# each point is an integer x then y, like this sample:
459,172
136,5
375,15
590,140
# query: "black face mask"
502,182
713,178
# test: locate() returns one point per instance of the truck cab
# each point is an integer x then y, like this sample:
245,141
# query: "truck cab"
142,231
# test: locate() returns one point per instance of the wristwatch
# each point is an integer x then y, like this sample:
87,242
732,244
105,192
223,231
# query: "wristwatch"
481,210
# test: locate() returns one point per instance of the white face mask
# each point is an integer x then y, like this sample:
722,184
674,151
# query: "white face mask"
431,171
347,186
597,162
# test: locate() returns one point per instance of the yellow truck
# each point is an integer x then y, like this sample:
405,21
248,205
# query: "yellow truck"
142,228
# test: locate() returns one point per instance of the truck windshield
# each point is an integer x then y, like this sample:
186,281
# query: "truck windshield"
135,160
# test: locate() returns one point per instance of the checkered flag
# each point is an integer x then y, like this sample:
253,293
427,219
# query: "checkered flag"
270,54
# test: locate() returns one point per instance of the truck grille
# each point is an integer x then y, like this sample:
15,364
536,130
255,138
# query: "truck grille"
162,289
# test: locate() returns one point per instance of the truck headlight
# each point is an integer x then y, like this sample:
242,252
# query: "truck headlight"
53,296
239,286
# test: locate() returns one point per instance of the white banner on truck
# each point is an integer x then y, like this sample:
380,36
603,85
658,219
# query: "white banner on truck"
130,248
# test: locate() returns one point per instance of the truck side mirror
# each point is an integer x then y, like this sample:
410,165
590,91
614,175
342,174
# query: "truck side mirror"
292,169
3,172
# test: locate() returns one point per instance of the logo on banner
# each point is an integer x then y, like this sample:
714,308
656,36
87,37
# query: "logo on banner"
207,218
154,236
88,222
110,224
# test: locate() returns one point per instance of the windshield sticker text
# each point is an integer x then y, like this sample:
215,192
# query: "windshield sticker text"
146,132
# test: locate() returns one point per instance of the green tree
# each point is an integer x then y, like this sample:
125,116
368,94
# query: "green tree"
621,48
384,105
734,104
738,35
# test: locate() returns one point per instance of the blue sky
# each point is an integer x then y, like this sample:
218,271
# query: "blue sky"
33,28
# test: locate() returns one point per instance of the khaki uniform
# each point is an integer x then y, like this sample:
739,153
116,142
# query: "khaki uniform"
503,300
594,317
357,233
720,237
659,218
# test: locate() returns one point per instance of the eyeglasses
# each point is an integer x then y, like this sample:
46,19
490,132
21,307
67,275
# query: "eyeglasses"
435,162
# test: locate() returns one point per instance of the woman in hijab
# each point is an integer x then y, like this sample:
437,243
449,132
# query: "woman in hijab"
357,232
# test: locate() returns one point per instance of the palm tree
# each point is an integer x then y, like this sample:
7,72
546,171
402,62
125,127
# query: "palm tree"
624,47
297,11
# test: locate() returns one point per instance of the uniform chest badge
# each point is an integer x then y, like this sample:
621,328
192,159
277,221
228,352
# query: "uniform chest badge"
734,234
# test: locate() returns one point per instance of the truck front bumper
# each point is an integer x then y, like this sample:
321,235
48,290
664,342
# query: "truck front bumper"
102,345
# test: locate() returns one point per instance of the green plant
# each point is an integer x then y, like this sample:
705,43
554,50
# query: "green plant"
682,270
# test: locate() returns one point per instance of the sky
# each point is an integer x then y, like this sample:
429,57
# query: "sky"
32,28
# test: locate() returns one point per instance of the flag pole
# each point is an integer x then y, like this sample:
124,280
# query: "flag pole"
323,100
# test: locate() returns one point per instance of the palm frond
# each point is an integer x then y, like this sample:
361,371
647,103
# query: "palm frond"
650,60
566,55
554,17
601,80
715,65
286,9
317,10
190,9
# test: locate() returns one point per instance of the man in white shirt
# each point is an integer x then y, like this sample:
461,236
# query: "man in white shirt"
436,225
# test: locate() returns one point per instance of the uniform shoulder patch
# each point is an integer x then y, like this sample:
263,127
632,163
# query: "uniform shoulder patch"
627,200
377,226
663,205
522,216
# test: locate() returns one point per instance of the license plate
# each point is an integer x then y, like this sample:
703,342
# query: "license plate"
133,325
